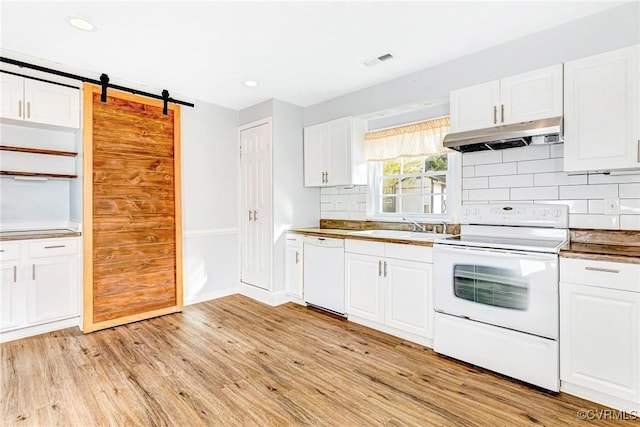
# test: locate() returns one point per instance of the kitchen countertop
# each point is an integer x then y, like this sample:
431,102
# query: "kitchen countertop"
613,253
38,234
348,234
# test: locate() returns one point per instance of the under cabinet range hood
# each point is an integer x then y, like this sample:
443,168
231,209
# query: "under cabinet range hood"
544,131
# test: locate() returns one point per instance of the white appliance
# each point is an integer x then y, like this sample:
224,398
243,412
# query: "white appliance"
496,290
324,273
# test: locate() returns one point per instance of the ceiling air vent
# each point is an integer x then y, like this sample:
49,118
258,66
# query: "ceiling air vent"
377,60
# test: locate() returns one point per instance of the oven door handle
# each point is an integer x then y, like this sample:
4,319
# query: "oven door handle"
489,251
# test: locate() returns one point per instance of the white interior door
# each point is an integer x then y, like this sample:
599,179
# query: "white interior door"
256,209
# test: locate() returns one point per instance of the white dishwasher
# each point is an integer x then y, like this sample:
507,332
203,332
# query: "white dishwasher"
324,273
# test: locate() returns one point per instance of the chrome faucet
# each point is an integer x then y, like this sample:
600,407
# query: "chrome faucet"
415,225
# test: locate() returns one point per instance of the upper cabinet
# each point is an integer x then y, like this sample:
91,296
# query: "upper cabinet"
333,153
520,98
34,101
602,116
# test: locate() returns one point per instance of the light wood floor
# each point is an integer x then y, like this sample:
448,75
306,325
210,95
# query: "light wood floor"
234,361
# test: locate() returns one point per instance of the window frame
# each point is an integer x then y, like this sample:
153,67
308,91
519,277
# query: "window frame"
453,193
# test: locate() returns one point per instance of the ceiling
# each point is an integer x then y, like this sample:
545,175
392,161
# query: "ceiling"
299,52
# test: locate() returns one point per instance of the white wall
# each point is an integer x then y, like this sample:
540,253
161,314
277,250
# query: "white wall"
209,201
534,174
611,29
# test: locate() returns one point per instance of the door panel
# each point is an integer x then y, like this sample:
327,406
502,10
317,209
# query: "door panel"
364,287
531,96
475,107
53,292
409,299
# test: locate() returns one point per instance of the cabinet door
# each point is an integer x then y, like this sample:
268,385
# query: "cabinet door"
12,105
338,153
409,296
475,107
256,205
531,96
294,270
52,293
600,340
51,104
314,143
11,297
364,287
602,117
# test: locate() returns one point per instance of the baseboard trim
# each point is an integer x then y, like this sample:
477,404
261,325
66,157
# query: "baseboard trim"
211,295
427,342
30,331
264,296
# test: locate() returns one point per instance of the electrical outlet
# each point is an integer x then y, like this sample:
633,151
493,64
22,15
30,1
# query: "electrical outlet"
612,206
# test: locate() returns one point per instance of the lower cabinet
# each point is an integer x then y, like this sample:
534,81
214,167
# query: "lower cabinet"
293,267
600,332
39,286
389,287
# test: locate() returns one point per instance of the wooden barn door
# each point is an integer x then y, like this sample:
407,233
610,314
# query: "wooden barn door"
132,209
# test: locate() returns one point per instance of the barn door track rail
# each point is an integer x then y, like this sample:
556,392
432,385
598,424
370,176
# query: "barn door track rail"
103,82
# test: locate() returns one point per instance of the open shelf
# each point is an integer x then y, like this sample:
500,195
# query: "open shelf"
38,175
38,151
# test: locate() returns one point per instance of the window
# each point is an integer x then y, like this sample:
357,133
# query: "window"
414,185
412,174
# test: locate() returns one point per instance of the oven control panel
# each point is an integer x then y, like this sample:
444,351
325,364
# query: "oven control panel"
517,214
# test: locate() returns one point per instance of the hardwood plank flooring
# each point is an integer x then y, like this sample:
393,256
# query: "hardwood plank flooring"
236,362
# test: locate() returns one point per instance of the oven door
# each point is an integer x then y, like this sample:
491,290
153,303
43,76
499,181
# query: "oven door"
512,289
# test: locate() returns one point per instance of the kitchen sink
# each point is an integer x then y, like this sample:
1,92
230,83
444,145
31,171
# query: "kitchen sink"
400,234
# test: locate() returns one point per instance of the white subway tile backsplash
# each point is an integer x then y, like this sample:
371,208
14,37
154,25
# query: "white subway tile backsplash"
490,194
468,171
481,158
339,198
575,206
534,152
630,222
329,190
599,191
630,206
596,206
479,182
505,181
349,190
508,202
607,222
558,178
556,150
335,215
465,195
539,166
630,191
327,207
532,193
613,179
496,169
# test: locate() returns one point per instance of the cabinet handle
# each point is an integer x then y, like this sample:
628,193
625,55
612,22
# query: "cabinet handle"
28,110
19,108
293,240
1,250
297,257
501,113
33,271
495,114
15,274
604,270
54,247
250,219
379,268
327,175
639,151
255,215
385,269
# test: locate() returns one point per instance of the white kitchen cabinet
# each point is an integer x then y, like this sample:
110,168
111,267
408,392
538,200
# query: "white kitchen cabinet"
600,331
39,286
34,101
333,153
294,259
602,112
389,287
524,97
256,206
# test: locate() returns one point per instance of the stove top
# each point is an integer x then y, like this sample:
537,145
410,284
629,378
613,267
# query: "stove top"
513,243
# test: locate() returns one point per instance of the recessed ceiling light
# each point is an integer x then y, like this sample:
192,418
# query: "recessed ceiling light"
250,83
80,23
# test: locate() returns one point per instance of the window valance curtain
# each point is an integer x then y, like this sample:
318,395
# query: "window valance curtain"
417,139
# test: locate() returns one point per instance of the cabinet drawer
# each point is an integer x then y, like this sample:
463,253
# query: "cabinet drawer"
53,247
408,252
9,251
605,274
364,247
